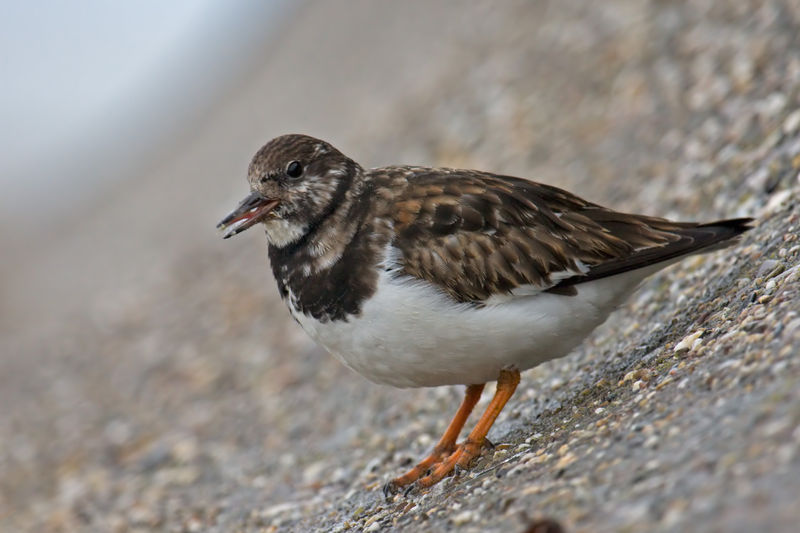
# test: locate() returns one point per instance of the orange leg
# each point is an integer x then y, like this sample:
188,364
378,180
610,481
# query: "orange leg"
471,448
445,446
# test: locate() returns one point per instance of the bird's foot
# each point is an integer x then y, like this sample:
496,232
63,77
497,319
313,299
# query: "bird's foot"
456,462
407,481
434,468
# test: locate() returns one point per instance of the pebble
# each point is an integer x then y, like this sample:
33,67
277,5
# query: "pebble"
792,327
464,517
766,267
690,342
533,438
772,105
375,526
566,460
777,201
792,122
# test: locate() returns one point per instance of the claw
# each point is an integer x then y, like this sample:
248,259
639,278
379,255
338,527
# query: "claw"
489,444
409,489
389,489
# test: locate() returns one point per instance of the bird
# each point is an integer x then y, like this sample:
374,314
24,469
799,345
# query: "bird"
424,277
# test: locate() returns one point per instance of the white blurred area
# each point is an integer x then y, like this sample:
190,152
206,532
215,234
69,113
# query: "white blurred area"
92,90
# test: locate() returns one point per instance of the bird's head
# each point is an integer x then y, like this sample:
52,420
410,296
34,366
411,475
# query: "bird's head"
295,182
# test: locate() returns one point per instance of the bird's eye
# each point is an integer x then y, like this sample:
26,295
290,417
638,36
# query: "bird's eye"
294,169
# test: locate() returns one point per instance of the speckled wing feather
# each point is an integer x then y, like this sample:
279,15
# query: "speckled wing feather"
476,235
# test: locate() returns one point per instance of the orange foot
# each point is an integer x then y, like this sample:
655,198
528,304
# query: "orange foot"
446,457
444,448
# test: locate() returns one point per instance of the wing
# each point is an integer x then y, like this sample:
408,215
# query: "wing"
476,235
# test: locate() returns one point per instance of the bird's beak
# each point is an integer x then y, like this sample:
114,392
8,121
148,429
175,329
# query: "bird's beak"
250,211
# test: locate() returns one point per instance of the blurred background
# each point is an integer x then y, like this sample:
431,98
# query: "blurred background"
149,375
98,95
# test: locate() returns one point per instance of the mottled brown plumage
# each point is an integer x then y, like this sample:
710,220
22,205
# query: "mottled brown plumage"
476,234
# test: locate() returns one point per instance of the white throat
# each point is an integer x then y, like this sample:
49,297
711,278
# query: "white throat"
281,232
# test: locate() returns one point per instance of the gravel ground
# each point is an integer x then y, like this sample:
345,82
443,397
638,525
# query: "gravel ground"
183,398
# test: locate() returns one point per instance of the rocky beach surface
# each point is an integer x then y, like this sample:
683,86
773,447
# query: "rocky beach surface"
151,379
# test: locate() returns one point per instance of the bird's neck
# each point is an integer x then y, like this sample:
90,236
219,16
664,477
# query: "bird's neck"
330,271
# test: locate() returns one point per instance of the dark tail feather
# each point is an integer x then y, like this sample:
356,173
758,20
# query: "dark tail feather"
720,234
692,239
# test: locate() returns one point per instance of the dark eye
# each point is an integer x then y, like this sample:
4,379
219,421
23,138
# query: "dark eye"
294,169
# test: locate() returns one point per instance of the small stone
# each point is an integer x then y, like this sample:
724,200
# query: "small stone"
516,469
771,105
690,342
777,200
185,450
651,442
638,374
758,179
792,122
742,70
372,466
193,525
766,267
375,526
527,457
793,326
118,432
500,454
140,515
534,437
566,460
462,518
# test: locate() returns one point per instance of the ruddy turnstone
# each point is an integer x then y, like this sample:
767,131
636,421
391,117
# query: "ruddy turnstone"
419,277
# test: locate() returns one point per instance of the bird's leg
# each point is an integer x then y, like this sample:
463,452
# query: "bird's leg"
446,445
471,448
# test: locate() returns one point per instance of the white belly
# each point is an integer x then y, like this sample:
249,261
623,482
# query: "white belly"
409,334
